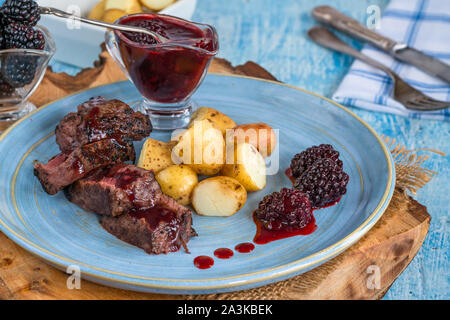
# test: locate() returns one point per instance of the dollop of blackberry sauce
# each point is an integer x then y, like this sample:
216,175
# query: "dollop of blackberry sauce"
264,235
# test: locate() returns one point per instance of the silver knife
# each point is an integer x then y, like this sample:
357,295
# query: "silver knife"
398,50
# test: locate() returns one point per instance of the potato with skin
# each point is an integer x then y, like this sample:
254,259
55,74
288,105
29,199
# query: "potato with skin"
178,181
127,6
202,147
115,9
218,196
247,167
156,155
219,120
112,15
98,11
206,169
260,135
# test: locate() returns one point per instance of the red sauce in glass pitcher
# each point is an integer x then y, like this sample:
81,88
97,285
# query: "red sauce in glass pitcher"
167,72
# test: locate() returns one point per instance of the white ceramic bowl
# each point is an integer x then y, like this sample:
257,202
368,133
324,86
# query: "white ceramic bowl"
79,44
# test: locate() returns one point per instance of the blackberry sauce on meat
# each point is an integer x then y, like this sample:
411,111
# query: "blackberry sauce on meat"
134,209
98,119
95,142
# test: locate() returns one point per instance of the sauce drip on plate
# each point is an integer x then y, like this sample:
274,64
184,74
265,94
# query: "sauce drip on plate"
245,247
203,262
223,253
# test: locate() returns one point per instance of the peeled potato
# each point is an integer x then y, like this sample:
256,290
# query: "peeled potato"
98,11
157,5
260,135
218,196
201,147
112,15
156,155
178,181
219,120
247,167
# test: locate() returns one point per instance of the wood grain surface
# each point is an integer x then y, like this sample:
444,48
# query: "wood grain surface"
385,251
390,246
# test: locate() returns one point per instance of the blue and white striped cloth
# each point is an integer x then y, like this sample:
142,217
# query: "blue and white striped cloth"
422,24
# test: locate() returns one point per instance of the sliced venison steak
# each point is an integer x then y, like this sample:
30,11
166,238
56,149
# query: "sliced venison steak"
156,230
133,208
69,166
115,190
98,119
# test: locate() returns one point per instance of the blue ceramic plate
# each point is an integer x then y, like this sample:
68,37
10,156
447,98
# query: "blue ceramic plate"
64,235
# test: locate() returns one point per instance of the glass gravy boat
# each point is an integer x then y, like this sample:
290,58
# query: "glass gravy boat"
166,74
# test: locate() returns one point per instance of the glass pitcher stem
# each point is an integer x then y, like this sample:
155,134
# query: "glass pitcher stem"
166,117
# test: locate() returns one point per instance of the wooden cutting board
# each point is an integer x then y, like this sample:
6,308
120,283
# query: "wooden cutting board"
364,271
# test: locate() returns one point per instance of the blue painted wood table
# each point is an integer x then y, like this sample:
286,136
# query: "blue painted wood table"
273,34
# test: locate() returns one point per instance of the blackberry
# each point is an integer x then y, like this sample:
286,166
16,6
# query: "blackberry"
287,208
143,38
324,182
2,43
5,88
303,160
23,37
18,70
2,27
22,11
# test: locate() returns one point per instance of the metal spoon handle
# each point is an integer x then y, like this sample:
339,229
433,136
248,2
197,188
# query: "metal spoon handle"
120,27
326,38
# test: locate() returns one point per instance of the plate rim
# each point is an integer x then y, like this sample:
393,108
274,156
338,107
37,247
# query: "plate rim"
345,242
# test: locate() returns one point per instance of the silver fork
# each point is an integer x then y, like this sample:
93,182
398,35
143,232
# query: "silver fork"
403,92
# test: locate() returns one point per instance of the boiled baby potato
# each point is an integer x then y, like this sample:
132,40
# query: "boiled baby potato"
115,9
220,120
247,167
127,6
156,155
260,135
156,5
206,169
202,147
218,196
112,15
178,181
98,11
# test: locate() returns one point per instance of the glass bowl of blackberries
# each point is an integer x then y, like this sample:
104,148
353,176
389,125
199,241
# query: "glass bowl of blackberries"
25,51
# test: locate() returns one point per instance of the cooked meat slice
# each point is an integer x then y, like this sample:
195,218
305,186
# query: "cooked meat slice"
115,190
156,230
133,208
98,119
69,166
